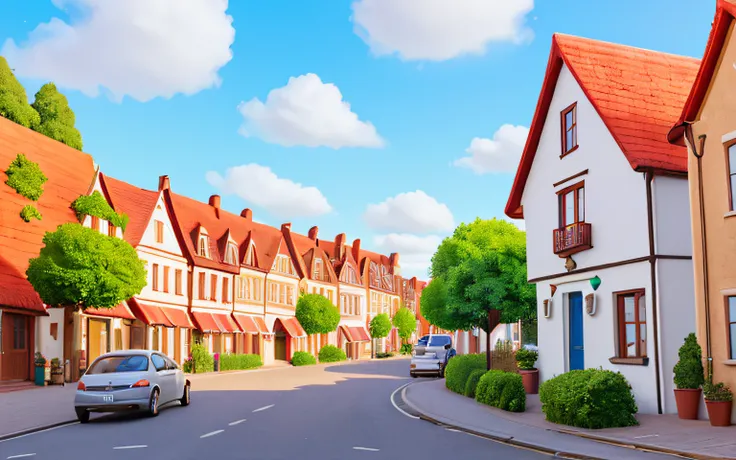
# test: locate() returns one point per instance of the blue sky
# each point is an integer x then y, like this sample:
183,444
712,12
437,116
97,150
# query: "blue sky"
171,81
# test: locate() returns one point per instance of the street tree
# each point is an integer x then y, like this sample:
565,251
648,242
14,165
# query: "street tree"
56,118
483,268
380,327
81,267
317,314
13,100
433,306
405,323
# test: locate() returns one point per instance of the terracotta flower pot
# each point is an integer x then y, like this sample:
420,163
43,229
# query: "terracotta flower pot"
688,403
719,412
530,379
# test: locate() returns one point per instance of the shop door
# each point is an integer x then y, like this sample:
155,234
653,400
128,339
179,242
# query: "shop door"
280,346
16,349
97,340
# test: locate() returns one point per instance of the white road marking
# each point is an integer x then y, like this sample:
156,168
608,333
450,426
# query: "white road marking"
646,436
370,449
37,432
21,456
211,434
453,430
236,422
142,446
264,408
397,407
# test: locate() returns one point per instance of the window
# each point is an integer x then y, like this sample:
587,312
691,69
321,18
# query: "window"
349,275
213,287
732,176
249,256
571,204
201,286
569,129
225,290
154,277
95,223
124,363
283,264
203,243
290,295
19,333
159,231
632,325
231,256
166,279
374,277
732,327
111,229
177,282
318,269
158,362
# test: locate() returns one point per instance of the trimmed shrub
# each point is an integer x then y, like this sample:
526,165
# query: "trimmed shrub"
384,355
331,354
504,390
459,369
406,349
526,358
472,382
303,358
202,360
187,366
236,362
689,369
591,398
29,212
26,177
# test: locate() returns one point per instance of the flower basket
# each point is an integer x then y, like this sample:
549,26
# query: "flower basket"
718,402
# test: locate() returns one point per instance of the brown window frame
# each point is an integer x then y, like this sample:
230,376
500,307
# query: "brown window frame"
177,282
213,287
95,223
159,231
730,321
561,204
111,230
566,150
621,324
202,287
154,277
225,289
729,176
166,278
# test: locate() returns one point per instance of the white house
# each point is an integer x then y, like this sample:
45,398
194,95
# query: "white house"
605,201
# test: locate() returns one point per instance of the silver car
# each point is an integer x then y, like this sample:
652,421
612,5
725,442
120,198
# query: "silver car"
130,380
431,355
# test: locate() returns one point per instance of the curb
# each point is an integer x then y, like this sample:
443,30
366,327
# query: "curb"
18,434
642,447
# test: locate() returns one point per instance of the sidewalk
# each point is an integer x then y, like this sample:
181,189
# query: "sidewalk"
658,433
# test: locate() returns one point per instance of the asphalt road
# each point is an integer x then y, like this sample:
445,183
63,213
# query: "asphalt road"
342,412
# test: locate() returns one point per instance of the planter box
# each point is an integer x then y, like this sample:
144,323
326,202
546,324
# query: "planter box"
688,403
530,379
719,412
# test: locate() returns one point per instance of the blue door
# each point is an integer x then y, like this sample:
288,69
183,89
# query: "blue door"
577,350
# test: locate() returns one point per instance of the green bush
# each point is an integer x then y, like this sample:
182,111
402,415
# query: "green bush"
236,362
13,100
202,360
303,358
384,355
689,369
96,205
459,369
187,366
29,212
472,382
26,177
591,398
56,119
504,390
526,358
406,349
717,392
331,354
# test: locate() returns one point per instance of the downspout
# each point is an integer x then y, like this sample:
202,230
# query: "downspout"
653,275
703,240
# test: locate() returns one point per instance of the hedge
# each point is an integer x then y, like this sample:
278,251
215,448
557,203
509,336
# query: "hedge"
406,349
303,358
202,360
591,398
504,390
472,382
331,354
459,369
29,212
234,362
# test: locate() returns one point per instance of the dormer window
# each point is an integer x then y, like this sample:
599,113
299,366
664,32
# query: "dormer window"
350,276
231,255
388,279
203,246
249,256
318,268
569,119
283,264
374,275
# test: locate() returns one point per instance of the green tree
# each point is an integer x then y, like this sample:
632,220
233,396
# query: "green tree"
317,314
483,267
433,306
380,327
56,117
13,100
80,266
405,322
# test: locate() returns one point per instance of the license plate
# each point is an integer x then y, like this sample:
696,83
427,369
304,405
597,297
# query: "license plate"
107,398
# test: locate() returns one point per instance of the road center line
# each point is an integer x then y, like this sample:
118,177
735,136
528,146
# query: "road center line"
370,449
142,446
211,434
391,398
21,456
264,408
236,422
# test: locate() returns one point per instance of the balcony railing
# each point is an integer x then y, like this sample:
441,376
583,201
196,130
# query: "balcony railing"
572,239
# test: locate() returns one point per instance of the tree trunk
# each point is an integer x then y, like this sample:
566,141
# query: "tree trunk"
494,317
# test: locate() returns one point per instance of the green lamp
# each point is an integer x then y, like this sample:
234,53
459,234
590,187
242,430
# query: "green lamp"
595,282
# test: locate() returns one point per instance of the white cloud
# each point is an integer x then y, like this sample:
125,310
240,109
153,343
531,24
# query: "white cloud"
414,212
138,48
438,30
307,112
498,155
281,197
415,252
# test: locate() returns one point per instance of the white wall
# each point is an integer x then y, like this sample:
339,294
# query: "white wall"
615,195
673,232
45,343
217,304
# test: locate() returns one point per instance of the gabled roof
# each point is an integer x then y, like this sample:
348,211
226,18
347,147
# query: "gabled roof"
309,250
725,14
70,174
637,93
136,202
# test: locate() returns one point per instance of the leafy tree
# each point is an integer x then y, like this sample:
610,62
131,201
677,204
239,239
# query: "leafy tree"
483,267
380,327
56,118
13,100
317,314
405,322
433,306
80,266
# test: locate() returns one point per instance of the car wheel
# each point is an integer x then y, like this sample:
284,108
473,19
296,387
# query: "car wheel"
153,403
441,373
185,398
82,415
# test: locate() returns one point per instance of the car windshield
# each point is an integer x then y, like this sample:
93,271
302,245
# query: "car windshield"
440,341
123,363
423,341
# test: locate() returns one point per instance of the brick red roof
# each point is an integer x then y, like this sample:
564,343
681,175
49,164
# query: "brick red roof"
70,172
637,93
136,202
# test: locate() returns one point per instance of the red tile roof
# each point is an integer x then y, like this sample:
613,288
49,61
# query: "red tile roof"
309,250
637,93
725,15
70,174
136,202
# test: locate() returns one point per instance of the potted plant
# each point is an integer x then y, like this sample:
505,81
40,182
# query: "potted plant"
525,360
689,378
39,376
718,401
57,373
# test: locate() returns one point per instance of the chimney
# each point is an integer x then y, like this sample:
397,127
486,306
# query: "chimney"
247,214
394,258
215,203
286,226
313,233
163,183
356,250
340,246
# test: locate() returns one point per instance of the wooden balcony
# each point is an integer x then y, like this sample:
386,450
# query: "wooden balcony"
572,239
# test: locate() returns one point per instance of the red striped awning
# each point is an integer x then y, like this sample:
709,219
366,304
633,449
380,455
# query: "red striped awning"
346,333
226,323
359,334
206,323
178,317
261,323
247,323
149,314
293,328
118,311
